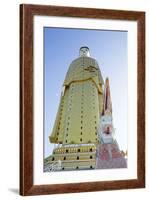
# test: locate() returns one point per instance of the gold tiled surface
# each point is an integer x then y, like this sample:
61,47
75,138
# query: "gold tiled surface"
75,149
73,157
80,107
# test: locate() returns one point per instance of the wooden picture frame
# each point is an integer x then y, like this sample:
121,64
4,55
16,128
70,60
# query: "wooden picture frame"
27,12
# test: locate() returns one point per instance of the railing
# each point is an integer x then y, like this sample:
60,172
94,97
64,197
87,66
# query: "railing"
55,166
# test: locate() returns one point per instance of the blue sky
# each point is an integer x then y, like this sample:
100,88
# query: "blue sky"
109,48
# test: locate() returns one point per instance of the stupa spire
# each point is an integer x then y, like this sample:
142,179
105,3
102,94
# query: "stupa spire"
107,105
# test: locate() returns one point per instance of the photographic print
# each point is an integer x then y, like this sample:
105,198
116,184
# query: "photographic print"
85,99
82,99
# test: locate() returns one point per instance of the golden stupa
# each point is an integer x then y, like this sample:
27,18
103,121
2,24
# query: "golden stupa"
78,116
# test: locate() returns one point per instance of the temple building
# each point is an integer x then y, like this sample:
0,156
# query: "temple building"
77,131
